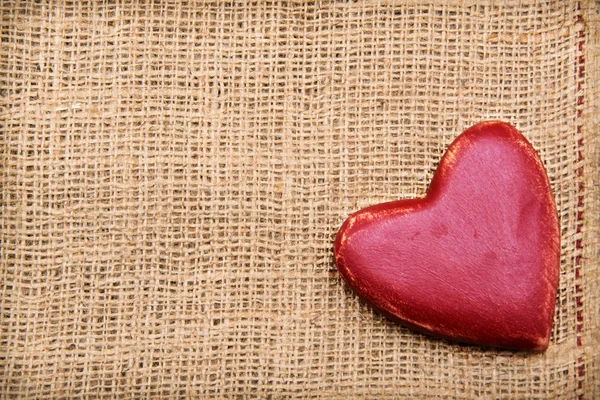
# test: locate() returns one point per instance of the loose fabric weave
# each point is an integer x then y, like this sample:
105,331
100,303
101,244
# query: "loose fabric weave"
173,175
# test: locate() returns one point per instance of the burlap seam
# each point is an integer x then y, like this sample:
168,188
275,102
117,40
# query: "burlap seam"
580,200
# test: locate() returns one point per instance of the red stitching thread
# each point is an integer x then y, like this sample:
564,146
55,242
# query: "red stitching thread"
580,200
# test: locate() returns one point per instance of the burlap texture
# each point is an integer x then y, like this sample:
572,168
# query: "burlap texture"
173,175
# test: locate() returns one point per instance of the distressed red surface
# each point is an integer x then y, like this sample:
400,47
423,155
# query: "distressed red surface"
477,259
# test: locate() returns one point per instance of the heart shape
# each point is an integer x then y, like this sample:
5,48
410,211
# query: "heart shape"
477,259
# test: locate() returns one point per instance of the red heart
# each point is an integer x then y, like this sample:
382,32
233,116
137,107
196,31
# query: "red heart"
477,259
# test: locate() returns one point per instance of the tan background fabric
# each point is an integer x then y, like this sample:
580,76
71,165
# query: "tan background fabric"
590,262
173,175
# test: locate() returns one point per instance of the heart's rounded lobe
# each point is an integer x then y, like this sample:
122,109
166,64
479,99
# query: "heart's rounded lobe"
477,259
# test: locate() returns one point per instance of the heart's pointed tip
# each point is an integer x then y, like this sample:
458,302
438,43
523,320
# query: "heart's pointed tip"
542,342
533,343
542,345
537,344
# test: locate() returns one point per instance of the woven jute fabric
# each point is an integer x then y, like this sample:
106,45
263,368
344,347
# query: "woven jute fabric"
173,175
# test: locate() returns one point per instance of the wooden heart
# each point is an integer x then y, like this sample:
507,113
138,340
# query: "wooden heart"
477,259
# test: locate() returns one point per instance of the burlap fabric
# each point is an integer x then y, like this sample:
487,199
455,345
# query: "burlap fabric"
173,175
